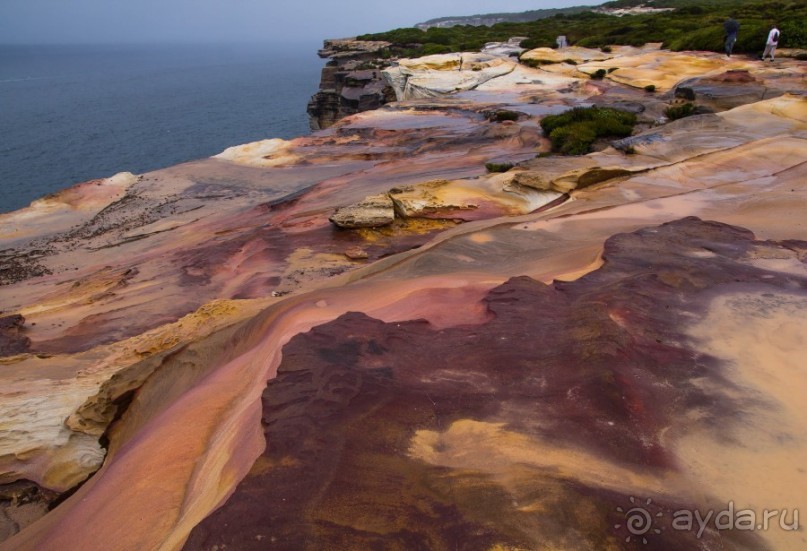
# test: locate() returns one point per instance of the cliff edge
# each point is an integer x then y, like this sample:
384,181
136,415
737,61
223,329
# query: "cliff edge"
351,81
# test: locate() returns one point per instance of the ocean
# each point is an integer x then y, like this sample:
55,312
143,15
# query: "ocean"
69,114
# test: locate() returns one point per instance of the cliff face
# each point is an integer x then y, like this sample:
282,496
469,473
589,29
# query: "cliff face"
511,357
356,78
351,82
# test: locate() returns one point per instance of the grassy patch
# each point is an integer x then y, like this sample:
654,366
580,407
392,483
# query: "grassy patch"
574,132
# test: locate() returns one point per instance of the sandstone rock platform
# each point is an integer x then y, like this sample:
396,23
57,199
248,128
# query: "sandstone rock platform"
192,359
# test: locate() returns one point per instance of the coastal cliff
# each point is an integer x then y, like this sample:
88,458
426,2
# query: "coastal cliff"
351,81
426,326
363,75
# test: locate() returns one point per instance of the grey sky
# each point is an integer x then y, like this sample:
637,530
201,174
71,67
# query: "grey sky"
111,21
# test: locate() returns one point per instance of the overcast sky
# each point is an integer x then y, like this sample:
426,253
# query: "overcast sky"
115,21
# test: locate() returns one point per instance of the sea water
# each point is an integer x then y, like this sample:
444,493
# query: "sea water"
74,113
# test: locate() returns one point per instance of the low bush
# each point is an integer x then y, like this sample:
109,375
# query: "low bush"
502,115
574,132
535,63
675,112
432,49
650,88
599,74
575,139
498,167
685,92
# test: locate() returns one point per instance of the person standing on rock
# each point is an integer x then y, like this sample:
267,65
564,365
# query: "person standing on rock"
772,43
561,42
732,27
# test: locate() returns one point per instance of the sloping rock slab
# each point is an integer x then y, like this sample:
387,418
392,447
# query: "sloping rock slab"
573,53
727,90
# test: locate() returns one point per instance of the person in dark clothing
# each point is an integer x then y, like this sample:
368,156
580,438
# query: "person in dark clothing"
732,28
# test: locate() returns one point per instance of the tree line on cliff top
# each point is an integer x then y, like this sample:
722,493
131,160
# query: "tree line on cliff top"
692,25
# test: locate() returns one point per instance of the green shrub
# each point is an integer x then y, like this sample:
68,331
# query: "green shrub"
606,49
431,49
794,33
599,74
574,132
650,88
675,112
685,92
534,63
498,167
595,41
575,139
538,42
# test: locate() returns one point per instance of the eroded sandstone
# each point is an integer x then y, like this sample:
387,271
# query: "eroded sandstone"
157,307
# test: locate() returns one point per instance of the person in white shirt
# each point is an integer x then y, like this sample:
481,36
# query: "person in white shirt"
770,45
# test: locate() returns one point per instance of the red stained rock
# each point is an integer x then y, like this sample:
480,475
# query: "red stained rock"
738,75
601,365
12,339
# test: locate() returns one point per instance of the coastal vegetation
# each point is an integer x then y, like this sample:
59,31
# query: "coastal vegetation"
502,115
498,167
691,25
675,112
575,131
